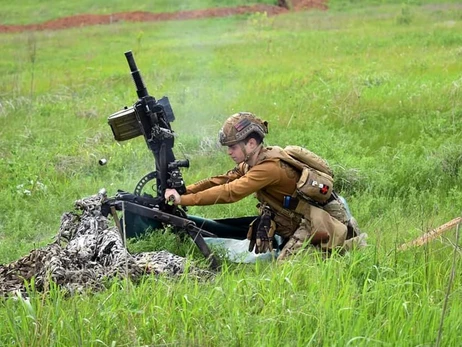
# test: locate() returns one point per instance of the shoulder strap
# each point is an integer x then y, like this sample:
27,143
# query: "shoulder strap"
275,152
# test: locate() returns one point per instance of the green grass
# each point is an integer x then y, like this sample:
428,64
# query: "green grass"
376,90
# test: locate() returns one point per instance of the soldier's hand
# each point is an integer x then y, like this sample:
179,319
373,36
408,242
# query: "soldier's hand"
261,232
171,195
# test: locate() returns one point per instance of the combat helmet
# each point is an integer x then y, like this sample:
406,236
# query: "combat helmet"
240,125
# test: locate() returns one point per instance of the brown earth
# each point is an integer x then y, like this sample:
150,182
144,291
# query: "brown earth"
94,19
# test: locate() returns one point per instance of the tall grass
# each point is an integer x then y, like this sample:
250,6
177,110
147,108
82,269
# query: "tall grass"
375,90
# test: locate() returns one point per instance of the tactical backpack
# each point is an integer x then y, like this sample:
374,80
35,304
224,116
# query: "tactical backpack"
316,182
312,197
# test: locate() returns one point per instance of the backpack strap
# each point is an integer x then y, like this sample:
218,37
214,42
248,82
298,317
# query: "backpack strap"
296,203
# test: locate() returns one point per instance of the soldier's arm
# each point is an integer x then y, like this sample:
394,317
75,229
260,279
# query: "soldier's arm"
257,178
208,183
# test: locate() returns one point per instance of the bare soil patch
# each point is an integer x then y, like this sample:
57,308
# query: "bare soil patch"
95,19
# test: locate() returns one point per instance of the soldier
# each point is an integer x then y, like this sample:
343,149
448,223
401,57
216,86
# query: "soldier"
266,172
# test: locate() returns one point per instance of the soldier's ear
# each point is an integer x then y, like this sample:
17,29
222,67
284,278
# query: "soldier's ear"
253,142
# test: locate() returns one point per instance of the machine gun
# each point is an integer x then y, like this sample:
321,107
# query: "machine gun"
151,118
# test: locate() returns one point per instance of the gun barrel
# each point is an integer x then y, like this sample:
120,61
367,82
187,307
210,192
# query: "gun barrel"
141,90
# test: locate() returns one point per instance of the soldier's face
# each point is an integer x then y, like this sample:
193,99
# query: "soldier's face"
236,153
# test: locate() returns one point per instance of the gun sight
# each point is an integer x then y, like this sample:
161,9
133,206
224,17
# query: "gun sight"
178,163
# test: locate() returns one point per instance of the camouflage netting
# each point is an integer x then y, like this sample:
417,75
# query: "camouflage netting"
86,253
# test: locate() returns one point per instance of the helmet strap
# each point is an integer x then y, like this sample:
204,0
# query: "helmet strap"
249,155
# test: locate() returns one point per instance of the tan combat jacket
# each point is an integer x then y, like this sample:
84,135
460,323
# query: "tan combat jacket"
270,174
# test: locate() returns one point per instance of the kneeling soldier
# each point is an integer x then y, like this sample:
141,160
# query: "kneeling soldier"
270,174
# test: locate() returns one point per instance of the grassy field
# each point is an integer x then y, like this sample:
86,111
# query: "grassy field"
376,90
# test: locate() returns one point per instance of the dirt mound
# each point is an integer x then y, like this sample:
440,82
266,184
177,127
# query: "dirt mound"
94,19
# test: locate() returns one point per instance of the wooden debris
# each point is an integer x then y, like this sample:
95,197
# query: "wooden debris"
430,235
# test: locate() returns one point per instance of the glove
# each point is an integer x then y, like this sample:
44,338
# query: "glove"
252,234
261,232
